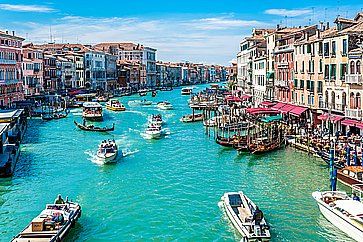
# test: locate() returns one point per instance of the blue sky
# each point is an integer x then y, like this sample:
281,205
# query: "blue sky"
199,31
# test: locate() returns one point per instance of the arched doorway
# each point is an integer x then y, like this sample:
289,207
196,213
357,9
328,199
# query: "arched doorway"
352,67
351,100
358,67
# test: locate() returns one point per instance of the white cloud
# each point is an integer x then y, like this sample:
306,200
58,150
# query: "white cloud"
289,13
194,40
26,8
222,23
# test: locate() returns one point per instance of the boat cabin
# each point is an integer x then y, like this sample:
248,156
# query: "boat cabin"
92,111
355,172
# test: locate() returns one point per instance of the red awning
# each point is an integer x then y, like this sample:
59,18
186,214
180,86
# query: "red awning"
333,118
233,99
245,97
297,111
257,111
267,104
278,106
287,108
352,123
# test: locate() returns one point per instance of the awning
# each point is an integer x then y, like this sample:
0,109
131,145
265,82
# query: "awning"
278,106
332,117
287,108
267,104
233,99
257,111
272,118
297,111
352,123
246,97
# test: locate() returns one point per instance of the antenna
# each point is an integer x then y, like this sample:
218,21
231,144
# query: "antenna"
50,34
313,13
325,9
286,20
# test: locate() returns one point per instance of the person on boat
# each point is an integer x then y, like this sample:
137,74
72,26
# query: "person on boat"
355,197
84,122
257,216
59,200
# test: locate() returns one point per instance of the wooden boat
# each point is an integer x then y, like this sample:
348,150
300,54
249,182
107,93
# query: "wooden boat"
226,142
52,224
351,175
107,151
241,211
189,118
153,94
94,128
48,117
261,146
115,105
342,211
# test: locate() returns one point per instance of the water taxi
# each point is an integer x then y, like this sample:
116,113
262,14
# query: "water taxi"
52,224
186,91
342,211
165,105
92,111
143,92
190,118
144,102
153,132
246,217
115,105
107,151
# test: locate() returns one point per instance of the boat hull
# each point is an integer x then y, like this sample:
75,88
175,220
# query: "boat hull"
116,109
93,118
347,180
340,222
107,159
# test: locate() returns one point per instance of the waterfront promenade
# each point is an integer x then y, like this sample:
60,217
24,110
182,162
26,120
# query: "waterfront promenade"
163,189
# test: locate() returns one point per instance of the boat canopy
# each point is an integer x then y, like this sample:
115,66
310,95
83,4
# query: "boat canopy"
351,206
91,105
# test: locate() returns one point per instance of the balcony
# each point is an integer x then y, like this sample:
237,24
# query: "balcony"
281,83
332,106
282,64
9,82
353,113
7,62
353,78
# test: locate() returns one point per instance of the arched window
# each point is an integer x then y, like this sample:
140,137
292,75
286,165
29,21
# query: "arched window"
333,100
303,67
358,67
352,67
326,97
344,99
351,100
357,101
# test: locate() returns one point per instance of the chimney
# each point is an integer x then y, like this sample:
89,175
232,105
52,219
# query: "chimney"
7,32
321,25
13,33
327,25
318,33
277,26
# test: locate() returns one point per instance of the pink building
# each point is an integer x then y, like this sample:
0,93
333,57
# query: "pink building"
11,85
32,70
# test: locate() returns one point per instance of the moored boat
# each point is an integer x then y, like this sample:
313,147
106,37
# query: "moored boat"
143,92
92,111
52,224
94,128
165,105
186,91
115,105
262,146
246,217
342,211
102,99
107,151
190,118
350,175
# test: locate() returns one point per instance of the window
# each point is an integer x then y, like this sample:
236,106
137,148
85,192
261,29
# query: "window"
321,66
352,67
358,67
343,71
295,83
333,48
302,98
344,47
326,49
326,72
320,87
320,49
301,84
308,49
333,71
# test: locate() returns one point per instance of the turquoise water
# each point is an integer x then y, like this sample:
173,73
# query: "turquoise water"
167,189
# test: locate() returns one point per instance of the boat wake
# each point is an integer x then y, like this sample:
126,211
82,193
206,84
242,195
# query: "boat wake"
136,112
93,157
77,113
128,152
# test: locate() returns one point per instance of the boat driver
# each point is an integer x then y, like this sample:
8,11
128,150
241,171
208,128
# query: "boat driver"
355,197
257,216
59,200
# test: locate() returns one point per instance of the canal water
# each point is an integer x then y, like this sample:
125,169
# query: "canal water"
167,189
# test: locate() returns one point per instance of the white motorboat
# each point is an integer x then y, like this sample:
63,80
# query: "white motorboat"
342,211
153,132
245,217
165,105
107,151
52,224
143,102
186,91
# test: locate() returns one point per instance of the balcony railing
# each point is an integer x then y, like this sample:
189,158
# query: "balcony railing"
7,62
353,113
332,106
282,64
353,78
281,83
